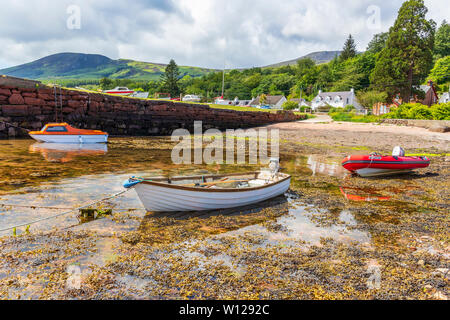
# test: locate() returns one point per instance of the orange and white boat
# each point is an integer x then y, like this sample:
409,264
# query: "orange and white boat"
64,133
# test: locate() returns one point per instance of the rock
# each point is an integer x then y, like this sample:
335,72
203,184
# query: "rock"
16,99
5,92
34,101
15,110
440,295
11,132
439,128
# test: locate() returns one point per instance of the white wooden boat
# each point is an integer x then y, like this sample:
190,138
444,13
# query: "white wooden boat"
199,193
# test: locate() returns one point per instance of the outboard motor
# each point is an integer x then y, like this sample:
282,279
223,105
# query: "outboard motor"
398,152
274,166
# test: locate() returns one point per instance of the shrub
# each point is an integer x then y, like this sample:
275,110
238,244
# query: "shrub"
441,111
290,105
351,117
349,108
420,112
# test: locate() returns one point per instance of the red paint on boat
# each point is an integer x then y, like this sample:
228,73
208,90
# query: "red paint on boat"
355,163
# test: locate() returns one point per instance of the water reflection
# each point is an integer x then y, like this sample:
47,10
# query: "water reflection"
62,196
298,225
59,152
319,165
357,194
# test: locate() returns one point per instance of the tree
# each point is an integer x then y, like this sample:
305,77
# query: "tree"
440,74
378,42
407,57
442,41
303,65
349,50
290,105
106,83
170,79
368,98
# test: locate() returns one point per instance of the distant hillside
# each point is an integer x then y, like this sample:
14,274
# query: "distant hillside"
93,66
318,57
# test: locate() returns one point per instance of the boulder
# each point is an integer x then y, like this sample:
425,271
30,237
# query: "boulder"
5,92
16,98
15,110
34,101
439,128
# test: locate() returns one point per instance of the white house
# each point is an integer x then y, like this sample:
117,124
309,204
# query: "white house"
302,102
336,99
276,102
235,102
445,97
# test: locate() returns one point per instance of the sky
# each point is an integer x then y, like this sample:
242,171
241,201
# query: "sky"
204,33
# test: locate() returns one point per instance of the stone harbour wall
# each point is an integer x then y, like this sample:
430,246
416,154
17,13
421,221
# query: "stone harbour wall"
31,107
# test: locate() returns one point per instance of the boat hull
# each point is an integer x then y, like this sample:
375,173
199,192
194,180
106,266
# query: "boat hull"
376,165
374,172
160,198
65,138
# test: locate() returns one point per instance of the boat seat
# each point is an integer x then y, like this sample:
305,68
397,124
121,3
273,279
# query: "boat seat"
257,183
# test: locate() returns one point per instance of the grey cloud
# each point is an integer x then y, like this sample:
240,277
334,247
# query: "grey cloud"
193,32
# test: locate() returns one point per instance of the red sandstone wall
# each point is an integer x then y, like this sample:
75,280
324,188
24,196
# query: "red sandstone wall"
31,108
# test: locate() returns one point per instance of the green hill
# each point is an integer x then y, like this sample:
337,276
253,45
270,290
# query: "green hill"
93,66
317,57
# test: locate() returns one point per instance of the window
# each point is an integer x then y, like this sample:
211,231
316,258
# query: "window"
56,129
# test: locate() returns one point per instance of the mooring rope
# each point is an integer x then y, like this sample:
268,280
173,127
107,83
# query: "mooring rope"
63,213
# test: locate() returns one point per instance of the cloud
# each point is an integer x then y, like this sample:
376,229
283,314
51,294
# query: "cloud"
207,33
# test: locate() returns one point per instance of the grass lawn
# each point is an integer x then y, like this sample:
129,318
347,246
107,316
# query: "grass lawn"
238,108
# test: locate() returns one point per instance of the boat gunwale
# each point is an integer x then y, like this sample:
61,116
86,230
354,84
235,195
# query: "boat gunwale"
198,189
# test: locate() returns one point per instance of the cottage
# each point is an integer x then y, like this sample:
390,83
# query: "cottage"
302,102
445,98
431,96
275,102
336,100
381,108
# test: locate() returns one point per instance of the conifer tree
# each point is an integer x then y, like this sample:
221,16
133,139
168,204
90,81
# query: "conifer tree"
170,79
349,50
407,58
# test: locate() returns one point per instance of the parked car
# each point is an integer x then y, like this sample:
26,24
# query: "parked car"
121,91
191,98
265,107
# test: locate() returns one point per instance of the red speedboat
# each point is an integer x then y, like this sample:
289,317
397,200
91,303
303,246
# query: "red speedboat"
378,165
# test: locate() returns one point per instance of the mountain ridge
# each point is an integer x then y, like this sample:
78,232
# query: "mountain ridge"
69,65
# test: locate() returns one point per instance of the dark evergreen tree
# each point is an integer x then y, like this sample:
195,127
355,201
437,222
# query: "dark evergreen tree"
378,42
170,79
408,55
349,50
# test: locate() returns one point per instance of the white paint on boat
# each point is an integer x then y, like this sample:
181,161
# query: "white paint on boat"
374,172
66,138
163,197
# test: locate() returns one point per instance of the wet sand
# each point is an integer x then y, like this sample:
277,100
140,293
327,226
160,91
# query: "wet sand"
377,136
335,236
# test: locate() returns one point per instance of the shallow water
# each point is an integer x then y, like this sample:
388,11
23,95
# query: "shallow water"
39,180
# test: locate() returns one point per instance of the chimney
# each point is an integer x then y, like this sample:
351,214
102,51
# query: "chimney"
352,91
320,92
